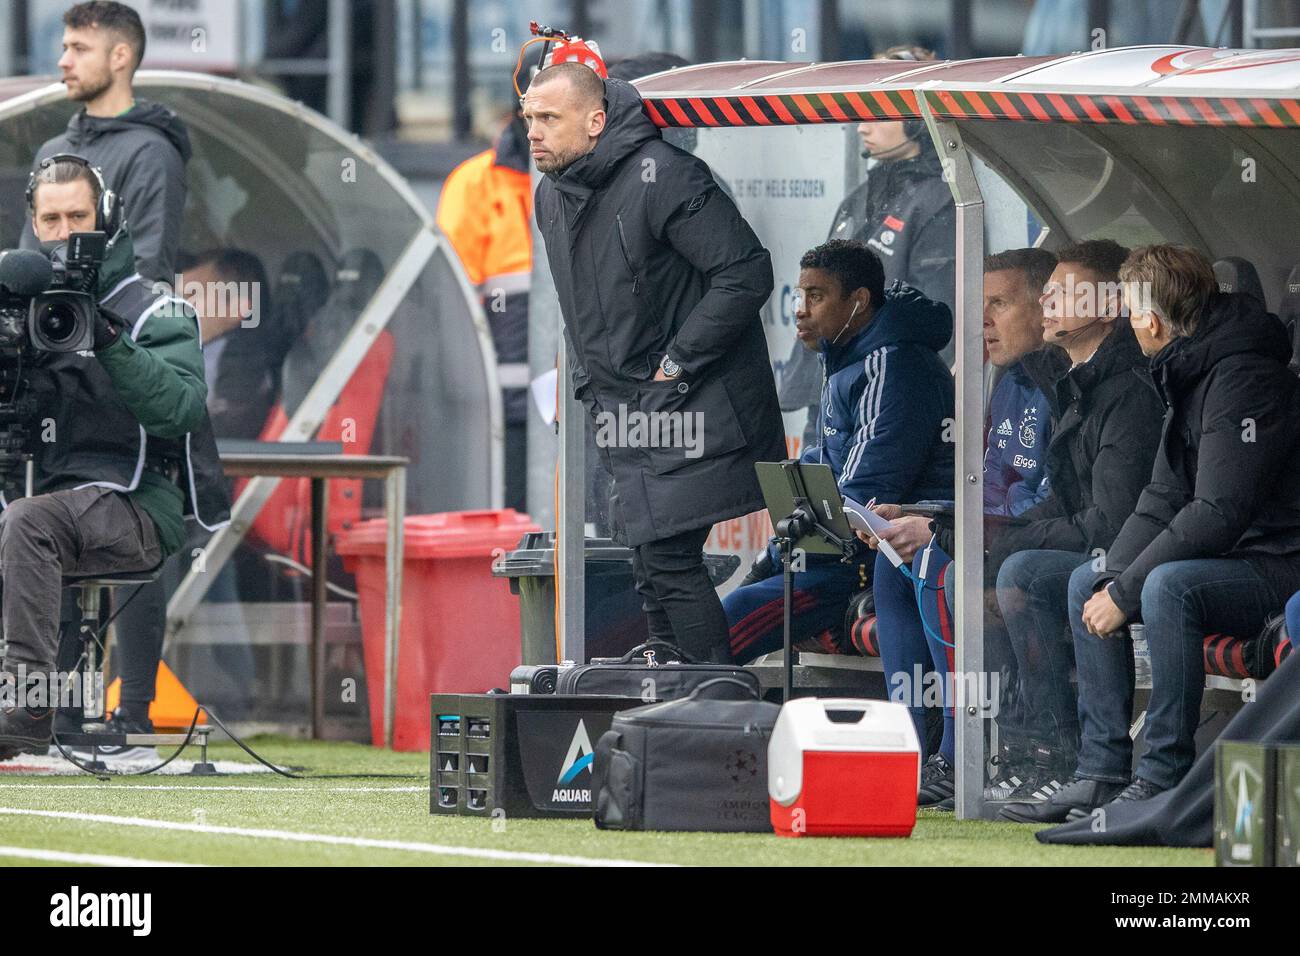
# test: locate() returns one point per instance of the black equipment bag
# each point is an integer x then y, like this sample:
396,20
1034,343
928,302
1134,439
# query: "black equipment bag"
698,763
655,670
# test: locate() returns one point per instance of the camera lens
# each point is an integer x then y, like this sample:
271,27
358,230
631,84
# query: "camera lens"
58,323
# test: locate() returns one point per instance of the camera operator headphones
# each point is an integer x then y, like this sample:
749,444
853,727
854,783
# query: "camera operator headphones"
108,212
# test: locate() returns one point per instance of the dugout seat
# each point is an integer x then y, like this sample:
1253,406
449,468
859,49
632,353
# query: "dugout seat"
1236,274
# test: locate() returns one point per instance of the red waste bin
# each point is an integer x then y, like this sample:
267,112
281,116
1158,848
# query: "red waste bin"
460,625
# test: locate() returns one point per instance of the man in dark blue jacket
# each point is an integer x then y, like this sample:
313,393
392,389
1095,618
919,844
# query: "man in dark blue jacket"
886,400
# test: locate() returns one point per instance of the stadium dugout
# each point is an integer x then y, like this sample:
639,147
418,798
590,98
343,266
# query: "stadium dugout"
1145,144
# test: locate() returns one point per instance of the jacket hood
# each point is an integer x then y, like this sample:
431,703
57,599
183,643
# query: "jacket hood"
84,128
627,127
511,146
906,316
1233,324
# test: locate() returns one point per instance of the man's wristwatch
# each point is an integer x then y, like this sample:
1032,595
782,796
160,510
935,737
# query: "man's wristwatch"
670,368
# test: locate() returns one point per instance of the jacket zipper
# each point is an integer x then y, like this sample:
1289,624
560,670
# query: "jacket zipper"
627,256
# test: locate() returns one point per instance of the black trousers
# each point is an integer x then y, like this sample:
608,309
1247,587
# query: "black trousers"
78,532
141,627
679,599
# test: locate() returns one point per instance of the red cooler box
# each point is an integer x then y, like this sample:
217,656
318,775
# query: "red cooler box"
843,767
460,625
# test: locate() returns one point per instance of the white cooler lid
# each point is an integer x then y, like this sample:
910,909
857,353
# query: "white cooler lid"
805,725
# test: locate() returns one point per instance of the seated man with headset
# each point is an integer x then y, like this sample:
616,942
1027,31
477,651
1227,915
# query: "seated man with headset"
120,440
886,404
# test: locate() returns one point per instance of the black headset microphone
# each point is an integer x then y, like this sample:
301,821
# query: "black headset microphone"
1083,328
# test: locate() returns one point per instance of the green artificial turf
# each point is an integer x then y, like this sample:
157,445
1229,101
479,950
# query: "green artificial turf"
385,810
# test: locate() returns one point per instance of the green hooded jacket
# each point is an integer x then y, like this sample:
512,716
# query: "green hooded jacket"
159,375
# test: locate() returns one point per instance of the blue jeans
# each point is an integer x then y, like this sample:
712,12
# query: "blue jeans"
1182,601
1033,594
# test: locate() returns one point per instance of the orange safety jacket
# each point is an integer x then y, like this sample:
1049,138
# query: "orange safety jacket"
485,212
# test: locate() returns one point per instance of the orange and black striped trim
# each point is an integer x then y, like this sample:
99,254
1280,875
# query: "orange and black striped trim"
792,109
1109,108
785,109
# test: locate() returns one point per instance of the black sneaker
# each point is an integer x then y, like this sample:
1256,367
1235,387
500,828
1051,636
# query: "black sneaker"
1079,794
124,720
938,782
1038,785
129,719
1010,778
1139,789
25,730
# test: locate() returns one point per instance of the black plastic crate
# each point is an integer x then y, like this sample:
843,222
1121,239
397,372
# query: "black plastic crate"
522,755
1245,803
1287,836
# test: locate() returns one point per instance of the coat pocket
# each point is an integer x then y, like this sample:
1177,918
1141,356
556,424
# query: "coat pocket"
680,423
627,254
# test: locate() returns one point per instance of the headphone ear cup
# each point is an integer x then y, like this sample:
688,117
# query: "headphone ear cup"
108,213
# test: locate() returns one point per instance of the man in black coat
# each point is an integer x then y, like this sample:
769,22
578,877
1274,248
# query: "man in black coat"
660,282
1106,425
1214,545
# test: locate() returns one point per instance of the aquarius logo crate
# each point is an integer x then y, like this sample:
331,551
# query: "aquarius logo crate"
1244,803
516,755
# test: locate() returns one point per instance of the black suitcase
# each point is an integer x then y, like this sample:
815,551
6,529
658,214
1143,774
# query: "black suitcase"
699,763
655,670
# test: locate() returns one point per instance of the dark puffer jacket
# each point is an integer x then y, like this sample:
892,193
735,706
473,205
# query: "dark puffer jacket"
1225,482
1106,423
650,257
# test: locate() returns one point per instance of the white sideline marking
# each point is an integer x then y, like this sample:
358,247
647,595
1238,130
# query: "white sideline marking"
92,859
436,849
199,787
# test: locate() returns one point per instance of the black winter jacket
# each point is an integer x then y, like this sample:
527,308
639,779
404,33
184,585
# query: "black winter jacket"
904,212
1106,417
1225,482
650,257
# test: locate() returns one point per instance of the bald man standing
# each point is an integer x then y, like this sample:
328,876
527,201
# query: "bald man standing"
660,283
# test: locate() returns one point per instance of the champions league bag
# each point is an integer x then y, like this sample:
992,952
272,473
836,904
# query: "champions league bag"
699,763
652,671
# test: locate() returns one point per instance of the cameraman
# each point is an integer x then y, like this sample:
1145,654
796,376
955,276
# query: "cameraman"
117,433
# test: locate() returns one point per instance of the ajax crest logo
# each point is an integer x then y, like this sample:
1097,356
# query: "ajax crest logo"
576,760
1029,427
